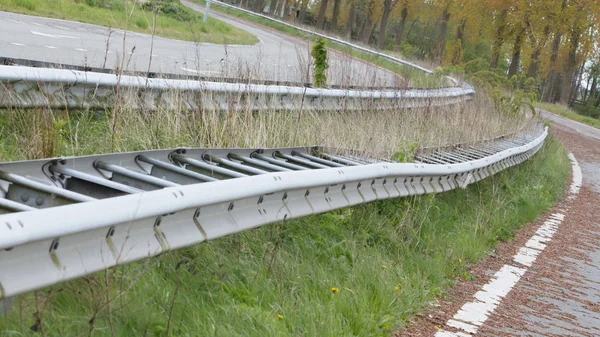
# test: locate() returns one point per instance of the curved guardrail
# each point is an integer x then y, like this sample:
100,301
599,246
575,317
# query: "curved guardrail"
68,217
26,87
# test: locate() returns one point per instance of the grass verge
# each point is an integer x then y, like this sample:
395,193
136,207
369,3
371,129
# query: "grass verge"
568,113
176,21
416,77
359,271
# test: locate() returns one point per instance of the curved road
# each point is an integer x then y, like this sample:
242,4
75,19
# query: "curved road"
275,57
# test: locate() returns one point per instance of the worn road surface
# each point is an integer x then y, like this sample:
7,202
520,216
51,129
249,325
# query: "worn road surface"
560,294
275,57
546,282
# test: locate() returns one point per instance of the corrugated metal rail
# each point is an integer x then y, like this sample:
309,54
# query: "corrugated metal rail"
67,217
27,87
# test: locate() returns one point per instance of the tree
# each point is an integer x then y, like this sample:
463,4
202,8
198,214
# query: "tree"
258,6
401,25
321,16
335,15
387,9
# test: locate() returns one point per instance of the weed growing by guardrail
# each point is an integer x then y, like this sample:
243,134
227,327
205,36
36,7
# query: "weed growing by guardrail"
319,54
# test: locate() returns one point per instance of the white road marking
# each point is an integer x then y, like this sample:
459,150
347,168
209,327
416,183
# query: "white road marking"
66,37
50,47
43,34
172,57
17,44
473,314
81,49
188,69
37,24
577,176
61,27
15,21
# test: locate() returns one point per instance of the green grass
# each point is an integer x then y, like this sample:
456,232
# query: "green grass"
181,23
416,77
570,114
388,259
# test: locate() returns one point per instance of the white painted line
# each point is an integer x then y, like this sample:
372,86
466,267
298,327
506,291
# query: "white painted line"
81,49
61,27
15,21
43,34
17,44
51,47
577,176
66,37
154,55
472,315
37,24
188,69
173,57
463,326
53,36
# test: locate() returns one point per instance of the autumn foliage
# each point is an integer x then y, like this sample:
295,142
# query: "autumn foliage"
555,42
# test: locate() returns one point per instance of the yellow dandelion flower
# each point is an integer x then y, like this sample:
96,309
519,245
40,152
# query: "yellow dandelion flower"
335,290
438,328
396,288
459,260
280,316
384,266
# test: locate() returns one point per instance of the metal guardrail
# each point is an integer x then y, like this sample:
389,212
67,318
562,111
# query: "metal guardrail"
57,88
26,87
69,217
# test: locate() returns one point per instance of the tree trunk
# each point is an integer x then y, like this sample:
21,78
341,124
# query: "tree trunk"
385,16
553,77
367,27
592,90
535,57
334,16
499,38
303,6
258,6
244,3
401,26
285,10
351,19
516,53
575,89
441,46
321,16
460,35
273,7
571,65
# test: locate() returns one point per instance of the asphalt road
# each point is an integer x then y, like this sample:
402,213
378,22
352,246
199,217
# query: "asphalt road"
560,294
275,57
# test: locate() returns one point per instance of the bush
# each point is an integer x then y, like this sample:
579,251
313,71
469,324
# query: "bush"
169,8
476,65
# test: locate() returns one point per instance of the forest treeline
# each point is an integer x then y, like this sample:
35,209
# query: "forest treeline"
554,42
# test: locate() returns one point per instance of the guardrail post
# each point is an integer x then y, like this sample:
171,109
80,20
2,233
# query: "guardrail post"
207,9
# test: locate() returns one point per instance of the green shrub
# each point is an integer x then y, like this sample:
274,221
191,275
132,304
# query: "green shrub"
476,65
319,54
169,8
